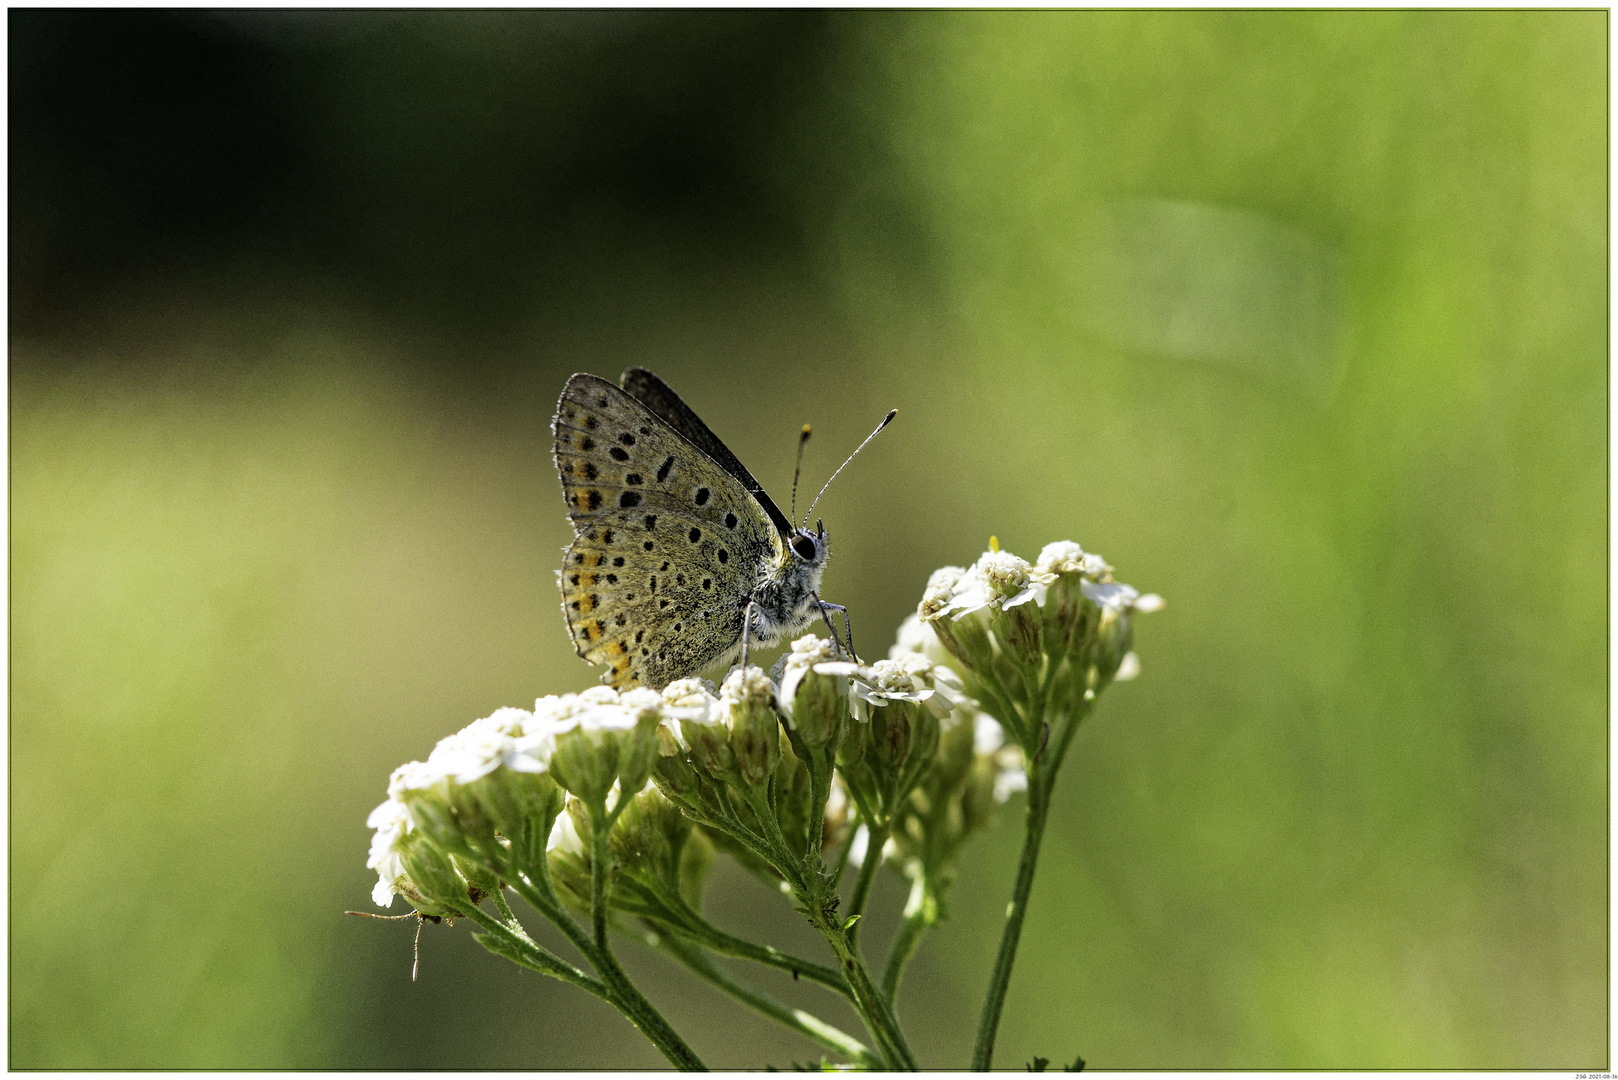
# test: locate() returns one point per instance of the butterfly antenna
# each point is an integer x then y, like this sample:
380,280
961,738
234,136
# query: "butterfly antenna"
886,420
415,965
802,439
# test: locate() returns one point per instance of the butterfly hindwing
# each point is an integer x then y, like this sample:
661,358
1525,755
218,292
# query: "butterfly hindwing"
668,544
656,614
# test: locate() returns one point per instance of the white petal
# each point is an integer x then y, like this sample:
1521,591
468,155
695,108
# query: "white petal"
1113,596
1035,593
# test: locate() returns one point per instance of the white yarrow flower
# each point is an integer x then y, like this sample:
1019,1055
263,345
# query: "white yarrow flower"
598,709
893,680
1066,557
691,699
413,776
916,636
817,654
999,580
940,589
481,747
391,820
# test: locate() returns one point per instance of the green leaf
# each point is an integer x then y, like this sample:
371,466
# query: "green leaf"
501,947
1038,1064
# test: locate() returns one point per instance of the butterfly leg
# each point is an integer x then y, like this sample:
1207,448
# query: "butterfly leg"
847,629
747,631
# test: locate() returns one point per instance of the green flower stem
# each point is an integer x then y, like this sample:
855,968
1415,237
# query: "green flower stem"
873,1007
776,848
878,839
505,909
1041,779
834,1039
921,912
725,944
541,895
630,1000
989,1023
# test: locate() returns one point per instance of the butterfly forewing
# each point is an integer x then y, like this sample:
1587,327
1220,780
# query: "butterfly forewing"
668,544
658,396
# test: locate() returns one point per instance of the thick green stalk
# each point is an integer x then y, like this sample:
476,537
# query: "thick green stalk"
873,1007
834,1039
541,895
994,1000
630,1000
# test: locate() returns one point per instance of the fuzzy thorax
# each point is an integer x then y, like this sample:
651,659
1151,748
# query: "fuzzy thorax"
786,599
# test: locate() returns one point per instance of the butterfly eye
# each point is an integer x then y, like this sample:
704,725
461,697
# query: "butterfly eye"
804,546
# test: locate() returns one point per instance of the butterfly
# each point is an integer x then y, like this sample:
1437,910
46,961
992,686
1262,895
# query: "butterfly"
680,560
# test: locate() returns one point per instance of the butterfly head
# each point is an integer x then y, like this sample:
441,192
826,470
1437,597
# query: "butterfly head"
810,547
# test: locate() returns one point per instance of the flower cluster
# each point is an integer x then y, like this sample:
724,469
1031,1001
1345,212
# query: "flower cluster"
485,804
611,804
1033,636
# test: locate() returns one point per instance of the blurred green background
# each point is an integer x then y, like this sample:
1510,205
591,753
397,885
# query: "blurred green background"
1299,318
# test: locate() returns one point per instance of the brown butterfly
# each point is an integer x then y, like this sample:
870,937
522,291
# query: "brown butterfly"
680,559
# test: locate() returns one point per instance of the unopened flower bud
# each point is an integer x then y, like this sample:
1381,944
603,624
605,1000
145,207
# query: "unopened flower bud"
701,721
639,748
522,806
568,856
1115,631
678,779
816,703
748,700
793,794
433,874
477,875
647,834
890,736
601,738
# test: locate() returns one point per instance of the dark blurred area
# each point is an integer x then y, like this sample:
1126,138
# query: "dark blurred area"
1299,318
444,166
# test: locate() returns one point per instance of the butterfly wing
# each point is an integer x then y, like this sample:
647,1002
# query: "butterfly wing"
657,396
668,544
